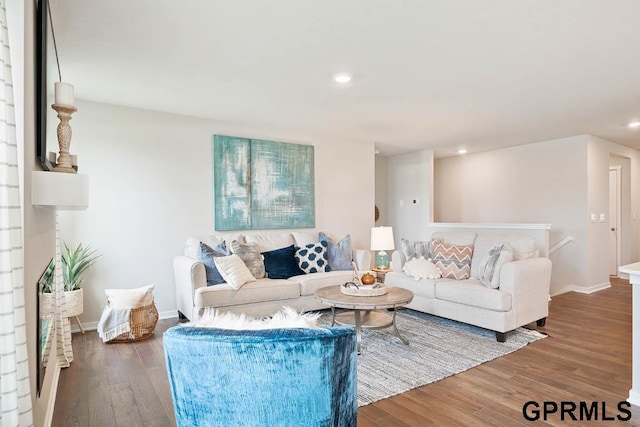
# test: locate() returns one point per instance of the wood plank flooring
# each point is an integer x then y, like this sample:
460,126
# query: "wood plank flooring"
587,357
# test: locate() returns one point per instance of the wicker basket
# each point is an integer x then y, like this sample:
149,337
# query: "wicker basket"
143,322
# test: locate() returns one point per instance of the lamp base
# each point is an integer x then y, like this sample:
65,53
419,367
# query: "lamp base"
382,260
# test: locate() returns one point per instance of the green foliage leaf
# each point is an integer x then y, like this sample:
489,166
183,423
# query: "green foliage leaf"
75,261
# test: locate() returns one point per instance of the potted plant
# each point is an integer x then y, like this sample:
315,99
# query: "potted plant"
75,262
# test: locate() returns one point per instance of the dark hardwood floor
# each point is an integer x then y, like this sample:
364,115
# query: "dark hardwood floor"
586,358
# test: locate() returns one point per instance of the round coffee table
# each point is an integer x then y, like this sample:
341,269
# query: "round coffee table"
370,319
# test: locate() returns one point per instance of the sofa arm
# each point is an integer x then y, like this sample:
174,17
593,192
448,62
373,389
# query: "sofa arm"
397,261
189,275
528,282
362,259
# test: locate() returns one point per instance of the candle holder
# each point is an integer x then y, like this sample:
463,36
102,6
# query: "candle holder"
63,163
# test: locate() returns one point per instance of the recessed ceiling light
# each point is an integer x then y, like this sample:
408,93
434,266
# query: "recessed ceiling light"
342,78
462,151
634,124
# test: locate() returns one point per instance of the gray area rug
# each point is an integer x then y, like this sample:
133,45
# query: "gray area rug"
438,348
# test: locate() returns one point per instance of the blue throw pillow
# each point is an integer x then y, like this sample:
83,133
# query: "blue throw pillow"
281,263
313,258
339,254
206,254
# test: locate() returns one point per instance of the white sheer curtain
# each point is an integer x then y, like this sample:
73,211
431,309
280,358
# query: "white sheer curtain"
15,392
62,321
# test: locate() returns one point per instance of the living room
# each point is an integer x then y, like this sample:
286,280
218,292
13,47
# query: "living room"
150,168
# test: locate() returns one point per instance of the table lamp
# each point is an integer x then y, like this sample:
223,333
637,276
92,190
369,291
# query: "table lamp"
381,240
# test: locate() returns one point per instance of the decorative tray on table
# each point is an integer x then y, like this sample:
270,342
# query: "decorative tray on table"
360,290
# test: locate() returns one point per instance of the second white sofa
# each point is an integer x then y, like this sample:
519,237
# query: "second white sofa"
521,298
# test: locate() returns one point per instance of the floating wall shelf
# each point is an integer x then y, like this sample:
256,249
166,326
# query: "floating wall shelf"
56,190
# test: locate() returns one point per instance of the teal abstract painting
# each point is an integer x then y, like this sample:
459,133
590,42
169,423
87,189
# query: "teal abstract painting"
262,184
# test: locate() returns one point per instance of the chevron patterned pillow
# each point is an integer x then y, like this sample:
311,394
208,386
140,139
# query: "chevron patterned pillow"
454,262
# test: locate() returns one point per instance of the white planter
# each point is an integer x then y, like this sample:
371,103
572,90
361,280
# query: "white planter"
74,301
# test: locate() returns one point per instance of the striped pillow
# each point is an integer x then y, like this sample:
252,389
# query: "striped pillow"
454,262
416,248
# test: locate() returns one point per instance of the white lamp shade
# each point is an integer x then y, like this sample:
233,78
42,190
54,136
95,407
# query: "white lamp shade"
382,239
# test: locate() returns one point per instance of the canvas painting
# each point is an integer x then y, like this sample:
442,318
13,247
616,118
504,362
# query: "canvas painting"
262,184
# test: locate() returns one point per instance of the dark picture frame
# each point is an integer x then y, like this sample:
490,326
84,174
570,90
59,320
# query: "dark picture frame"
42,12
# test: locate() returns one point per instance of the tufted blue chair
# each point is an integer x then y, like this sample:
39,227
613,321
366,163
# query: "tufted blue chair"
273,377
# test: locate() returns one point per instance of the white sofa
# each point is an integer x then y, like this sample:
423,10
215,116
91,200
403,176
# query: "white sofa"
522,296
262,297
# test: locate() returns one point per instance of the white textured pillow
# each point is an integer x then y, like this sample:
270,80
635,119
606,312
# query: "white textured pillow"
130,298
233,270
491,263
287,318
524,248
421,268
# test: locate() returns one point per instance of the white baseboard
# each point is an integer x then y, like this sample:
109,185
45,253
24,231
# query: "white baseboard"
593,289
584,289
92,326
634,397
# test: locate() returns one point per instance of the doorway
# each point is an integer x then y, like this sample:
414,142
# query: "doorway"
615,197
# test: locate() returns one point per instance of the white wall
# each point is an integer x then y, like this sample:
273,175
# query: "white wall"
151,188
561,182
626,216
544,182
602,154
409,178
381,190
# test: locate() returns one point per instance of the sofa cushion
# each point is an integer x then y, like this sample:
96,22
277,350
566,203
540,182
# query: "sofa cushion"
423,287
205,255
271,241
339,253
251,256
309,283
416,248
261,290
523,246
489,272
313,258
281,263
453,261
421,268
234,271
473,293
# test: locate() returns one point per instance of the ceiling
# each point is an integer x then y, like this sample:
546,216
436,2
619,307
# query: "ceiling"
428,74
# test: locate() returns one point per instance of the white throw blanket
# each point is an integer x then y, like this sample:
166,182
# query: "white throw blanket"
114,322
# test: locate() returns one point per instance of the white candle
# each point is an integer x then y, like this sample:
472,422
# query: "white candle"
64,93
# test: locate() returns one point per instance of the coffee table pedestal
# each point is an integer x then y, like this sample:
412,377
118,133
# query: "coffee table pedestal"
365,311
367,319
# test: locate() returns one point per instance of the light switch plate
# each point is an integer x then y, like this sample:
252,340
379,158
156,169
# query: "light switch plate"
593,217
602,218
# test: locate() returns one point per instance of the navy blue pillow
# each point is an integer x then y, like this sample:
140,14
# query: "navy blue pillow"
206,254
281,263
